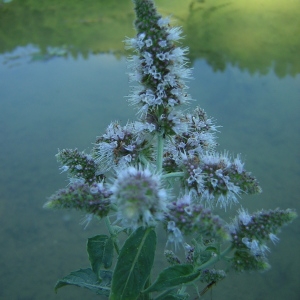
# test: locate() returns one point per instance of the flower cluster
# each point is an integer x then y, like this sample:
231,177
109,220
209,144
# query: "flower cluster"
164,168
79,165
212,275
139,197
250,233
213,178
122,145
92,199
172,258
200,136
197,139
192,218
217,179
160,69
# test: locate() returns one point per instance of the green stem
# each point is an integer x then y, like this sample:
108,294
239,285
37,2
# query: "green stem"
173,174
144,161
146,296
160,150
112,233
114,207
216,258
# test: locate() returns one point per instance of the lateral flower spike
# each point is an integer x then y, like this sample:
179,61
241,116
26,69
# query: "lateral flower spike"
79,165
92,199
250,233
192,218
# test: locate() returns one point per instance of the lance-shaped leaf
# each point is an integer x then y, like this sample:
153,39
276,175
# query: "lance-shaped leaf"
100,251
134,264
85,278
173,276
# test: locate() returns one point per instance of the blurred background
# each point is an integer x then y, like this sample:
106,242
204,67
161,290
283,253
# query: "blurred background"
63,79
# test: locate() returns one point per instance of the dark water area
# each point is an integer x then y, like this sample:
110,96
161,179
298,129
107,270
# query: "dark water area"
57,92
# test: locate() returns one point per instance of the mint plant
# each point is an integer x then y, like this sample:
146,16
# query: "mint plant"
163,171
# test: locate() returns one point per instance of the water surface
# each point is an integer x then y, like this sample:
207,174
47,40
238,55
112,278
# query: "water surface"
60,90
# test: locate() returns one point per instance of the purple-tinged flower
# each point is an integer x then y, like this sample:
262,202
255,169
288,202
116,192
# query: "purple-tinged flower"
191,218
139,197
175,237
93,199
122,145
171,257
244,217
79,165
250,233
189,253
256,248
212,275
261,226
198,138
159,68
215,179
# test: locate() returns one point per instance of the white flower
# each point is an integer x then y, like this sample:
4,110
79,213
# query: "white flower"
244,216
185,199
148,58
177,125
64,169
162,43
86,220
161,56
97,188
148,42
174,33
106,155
238,164
225,200
174,235
163,21
210,159
180,72
135,43
256,248
130,43
172,102
171,80
178,54
273,238
214,182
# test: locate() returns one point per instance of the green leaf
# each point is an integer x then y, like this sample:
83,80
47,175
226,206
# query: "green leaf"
211,249
173,276
100,251
134,264
84,278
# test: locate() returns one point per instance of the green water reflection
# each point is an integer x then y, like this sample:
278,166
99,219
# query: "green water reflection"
245,60
252,35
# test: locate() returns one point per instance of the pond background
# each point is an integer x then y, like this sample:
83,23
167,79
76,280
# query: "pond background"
63,79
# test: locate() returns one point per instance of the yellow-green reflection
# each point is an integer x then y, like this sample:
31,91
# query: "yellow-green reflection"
253,35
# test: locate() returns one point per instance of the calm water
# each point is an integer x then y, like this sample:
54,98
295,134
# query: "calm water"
64,100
